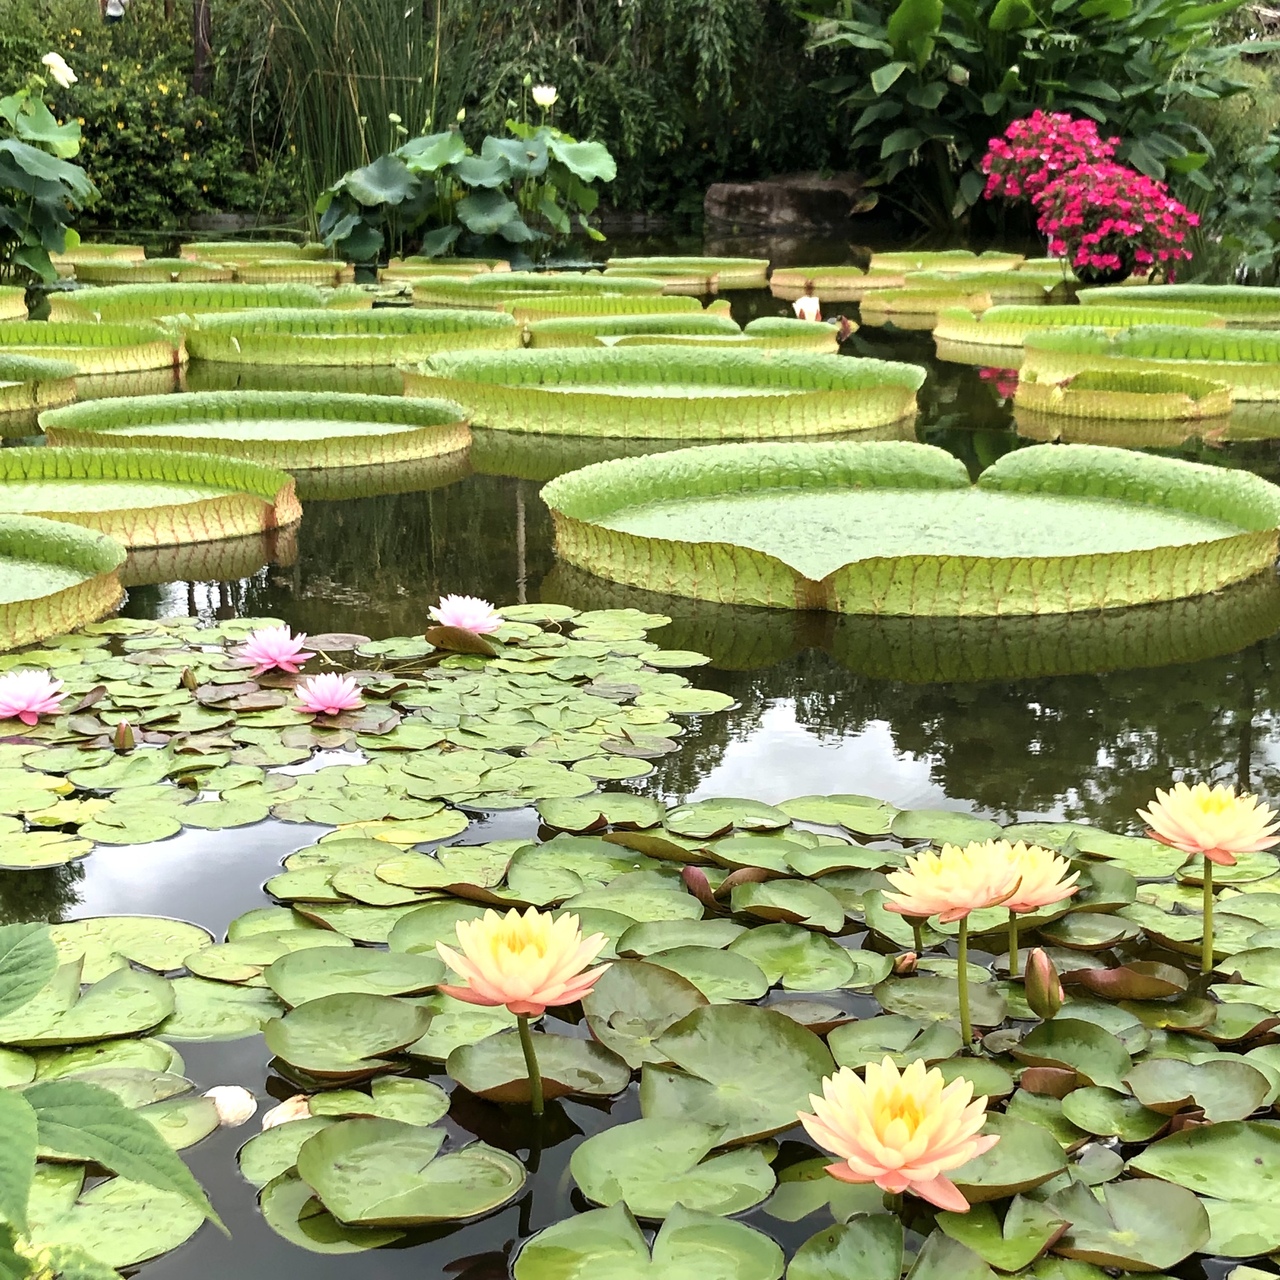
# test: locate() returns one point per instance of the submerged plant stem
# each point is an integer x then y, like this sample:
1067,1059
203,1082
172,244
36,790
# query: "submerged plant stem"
1013,944
1206,947
962,982
531,1064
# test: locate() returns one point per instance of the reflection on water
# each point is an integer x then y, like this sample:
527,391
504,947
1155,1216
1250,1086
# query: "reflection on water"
1062,717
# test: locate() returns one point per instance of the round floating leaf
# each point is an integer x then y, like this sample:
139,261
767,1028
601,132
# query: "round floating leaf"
1242,1228
292,1211
1110,1114
1224,1088
633,1003
747,1069
806,1187
420,930
208,1011
1140,1224
1046,1111
869,1248
275,1151
903,1039
942,1258
1095,1055
245,959
607,1242
928,996
706,818
1025,1156
1137,980
1241,1156
409,1101
121,1223
790,901
136,1086
182,1122
343,1036
320,971
1028,1230
863,815
989,1079
151,1055
944,826
384,1173
615,809
719,975
37,850
1089,931
110,942
653,1165
800,960
124,1003
665,935
495,1068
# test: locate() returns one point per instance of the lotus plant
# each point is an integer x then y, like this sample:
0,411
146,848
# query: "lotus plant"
951,883
903,1131
1215,823
274,648
27,695
467,613
526,962
328,694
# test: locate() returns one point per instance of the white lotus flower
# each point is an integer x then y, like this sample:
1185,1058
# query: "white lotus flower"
59,72
234,1104
545,95
807,308
296,1108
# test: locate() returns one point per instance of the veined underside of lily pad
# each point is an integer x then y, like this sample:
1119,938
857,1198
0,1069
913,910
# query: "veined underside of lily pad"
1251,306
896,528
1247,360
326,336
701,328
1119,394
951,260
831,284
94,348
147,497
713,274
1009,326
152,271
224,560
294,431
671,393
53,577
29,384
146,302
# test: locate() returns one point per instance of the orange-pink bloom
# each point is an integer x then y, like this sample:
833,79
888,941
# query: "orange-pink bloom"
951,882
528,963
904,1132
328,694
1214,821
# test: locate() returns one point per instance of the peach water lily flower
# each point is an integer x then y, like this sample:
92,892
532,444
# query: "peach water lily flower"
904,1132
1043,877
1213,821
328,694
274,648
27,695
467,613
951,882
808,307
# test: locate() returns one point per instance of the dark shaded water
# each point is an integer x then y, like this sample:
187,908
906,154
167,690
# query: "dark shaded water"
1075,718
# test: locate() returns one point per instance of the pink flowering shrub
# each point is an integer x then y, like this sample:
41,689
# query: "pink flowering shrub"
1099,215
1035,151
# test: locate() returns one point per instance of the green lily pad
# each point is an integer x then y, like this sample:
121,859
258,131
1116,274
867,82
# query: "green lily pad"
455,1023
929,996
942,1258
373,1172
291,1209
1028,1229
944,826
1025,1156
607,1242
706,818
1110,1114
719,975
665,935
246,959
420,930
863,815
345,1036
989,1079
182,1122
1095,1055
1089,931
642,896
1141,1224
111,942
869,1248
1241,1155
124,1003
1137,980
902,1039
321,971
805,1187
211,1011
360,924
409,1101
1224,1088
791,902
615,809
1046,1111
633,1003
800,960
275,1151
653,1165
1241,1228
37,850
495,1067
747,1069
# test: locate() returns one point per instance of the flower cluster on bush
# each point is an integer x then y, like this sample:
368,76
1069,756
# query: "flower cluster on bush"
1097,214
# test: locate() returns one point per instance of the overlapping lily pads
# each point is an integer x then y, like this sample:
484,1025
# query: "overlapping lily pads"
132,302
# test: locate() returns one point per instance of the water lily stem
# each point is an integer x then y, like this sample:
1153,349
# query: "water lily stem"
531,1064
962,982
1206,949
893,1201
917,934
1013,944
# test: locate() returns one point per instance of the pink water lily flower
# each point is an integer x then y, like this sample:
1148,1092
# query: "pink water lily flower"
27,695
274,647
328,694
807,308
467,613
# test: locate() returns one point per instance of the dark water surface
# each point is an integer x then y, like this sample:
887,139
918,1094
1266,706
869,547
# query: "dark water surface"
1074,718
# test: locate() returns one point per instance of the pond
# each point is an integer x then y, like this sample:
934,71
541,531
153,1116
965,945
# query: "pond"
1074,719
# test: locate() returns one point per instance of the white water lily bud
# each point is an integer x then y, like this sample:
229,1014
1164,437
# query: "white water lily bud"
235,1105
296,1108
59,72
545,95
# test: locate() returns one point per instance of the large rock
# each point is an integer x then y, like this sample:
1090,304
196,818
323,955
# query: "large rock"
789,201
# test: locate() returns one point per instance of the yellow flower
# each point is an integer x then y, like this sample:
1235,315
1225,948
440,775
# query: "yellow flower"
1214,822
524,962
902,1132
951,883
164,88
186,155
1043,876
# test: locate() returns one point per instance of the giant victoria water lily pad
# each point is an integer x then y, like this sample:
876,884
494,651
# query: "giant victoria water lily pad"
1009,326
146,497
1244,305
133,302
29,384
336,336
815,526
93,347
290,430
671,393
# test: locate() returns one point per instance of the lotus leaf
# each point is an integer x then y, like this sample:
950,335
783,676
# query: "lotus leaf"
123,1003
111,942
663,935
745,1068
1139,1225
653,1165
863,815
373,1172
942,1258
345,1036
1108,1113
792,902
182,1122
1096,1056
989,1079
617,810
1223,1089
928,996
292,1210
1241,1228
903,1039
1241,1155
495,1068
608,1241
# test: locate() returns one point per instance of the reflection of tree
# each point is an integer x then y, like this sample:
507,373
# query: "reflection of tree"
39,895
